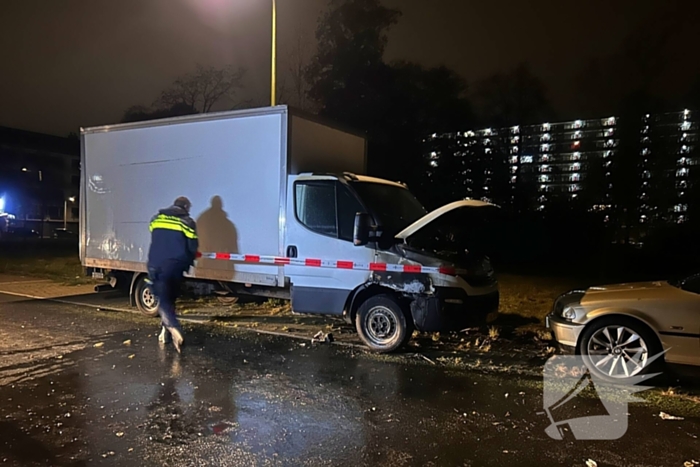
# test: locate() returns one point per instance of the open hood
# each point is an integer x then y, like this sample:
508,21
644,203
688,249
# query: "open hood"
432,216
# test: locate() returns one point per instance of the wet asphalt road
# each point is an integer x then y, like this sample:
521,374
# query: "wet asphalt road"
73,393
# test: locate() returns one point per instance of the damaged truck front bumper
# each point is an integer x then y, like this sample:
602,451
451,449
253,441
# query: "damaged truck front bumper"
452,309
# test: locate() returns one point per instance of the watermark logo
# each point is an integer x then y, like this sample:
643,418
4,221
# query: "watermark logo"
582,406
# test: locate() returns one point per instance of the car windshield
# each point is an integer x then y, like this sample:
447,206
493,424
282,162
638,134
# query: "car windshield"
688,283
393,207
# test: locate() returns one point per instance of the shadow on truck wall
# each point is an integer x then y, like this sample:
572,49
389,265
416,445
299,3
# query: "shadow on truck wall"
215,230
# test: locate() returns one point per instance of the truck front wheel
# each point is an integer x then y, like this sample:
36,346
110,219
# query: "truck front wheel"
146,300
382,324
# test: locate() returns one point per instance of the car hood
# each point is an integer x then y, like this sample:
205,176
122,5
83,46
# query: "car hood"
630,291
432,216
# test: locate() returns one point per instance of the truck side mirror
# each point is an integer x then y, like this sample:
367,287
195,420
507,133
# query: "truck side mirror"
363,226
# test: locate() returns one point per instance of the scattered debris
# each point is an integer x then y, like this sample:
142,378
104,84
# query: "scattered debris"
127,342
120,434
322,337
665,416
506,395
132,356
99,344
691,463
591,463
427,359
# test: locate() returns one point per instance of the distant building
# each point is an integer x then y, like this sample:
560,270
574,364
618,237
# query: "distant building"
38,174
590,164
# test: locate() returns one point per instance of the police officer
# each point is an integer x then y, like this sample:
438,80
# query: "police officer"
173,250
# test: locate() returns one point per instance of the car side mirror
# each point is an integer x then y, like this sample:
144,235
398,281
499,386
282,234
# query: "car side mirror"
362,229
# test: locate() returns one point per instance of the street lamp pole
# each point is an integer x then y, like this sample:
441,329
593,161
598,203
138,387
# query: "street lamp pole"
273,90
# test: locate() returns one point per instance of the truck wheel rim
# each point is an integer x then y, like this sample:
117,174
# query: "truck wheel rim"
381,325
617,351
148,299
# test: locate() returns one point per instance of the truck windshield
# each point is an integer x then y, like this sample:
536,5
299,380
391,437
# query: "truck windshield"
393,207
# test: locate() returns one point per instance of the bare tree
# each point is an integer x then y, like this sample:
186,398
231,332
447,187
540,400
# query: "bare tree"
203,88
293,87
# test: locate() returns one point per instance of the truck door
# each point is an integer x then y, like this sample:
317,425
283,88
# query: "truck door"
320,220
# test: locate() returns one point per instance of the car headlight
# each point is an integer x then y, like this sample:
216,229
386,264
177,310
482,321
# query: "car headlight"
569,313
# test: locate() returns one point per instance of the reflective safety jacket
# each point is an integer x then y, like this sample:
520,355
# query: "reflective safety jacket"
174,240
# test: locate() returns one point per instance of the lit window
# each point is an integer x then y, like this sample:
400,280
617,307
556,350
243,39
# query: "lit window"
577,144
683,161
577,156
685,126
541,208
487,132
545,137
487,151
434,163
513,179
434,135
577,135
607,154
682,172
685,149
514,159
576,166
609,143
645,152
544,158
545,168
545,147
575,177
469,134
574,188
515,140
610,121
513,169
574,195
578,124
433,155
514,150
487,141
515,130
546,127
526,160
680,208
686,113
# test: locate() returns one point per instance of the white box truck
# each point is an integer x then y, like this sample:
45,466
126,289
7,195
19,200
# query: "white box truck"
283,209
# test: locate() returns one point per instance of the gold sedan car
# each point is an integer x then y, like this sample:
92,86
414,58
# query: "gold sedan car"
619,329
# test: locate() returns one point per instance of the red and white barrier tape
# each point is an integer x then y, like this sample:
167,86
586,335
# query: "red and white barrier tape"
331,264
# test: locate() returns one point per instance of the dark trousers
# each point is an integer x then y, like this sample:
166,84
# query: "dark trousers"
166,286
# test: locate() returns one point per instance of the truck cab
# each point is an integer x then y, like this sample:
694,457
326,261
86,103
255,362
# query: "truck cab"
368,250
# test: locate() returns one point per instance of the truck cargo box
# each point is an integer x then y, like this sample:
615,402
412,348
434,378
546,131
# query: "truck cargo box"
233,166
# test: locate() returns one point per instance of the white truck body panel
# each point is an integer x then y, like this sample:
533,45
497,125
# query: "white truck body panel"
233,166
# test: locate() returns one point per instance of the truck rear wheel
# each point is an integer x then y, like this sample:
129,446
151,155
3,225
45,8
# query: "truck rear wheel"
382,324
146,300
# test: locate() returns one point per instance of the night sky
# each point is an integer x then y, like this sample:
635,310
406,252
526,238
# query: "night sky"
72,63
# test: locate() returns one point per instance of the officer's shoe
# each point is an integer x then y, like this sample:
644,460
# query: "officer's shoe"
178,340
164,336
